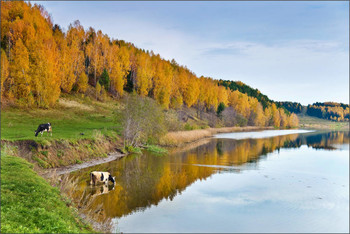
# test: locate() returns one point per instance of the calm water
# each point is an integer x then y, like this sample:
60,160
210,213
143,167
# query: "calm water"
267,183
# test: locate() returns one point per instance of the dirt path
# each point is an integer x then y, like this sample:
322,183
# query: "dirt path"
64,170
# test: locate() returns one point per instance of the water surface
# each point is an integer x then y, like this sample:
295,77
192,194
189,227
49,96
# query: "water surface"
289,183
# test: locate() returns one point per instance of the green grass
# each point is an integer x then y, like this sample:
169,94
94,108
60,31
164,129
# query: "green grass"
67,122
132,149
156,149
29,204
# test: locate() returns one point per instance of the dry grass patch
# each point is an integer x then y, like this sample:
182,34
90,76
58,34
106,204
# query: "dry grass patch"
74,104
183,137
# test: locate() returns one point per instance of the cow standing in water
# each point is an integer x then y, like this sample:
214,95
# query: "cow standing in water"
43,128
102,177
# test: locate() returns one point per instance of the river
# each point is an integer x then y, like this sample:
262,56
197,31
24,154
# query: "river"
267,181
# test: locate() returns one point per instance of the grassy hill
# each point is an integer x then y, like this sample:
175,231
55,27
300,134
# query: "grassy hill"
311,122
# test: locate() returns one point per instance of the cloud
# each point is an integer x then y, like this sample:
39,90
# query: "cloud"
303,71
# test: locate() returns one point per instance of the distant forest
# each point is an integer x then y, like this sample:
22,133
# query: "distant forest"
327,110
294,107
39,61
243,88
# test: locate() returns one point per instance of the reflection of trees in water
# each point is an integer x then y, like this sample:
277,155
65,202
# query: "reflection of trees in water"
326,140
144,180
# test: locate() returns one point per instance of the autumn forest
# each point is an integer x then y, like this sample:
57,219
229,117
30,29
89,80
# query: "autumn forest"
39,61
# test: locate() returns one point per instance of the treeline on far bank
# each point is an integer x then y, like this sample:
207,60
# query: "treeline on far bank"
39,61
334,111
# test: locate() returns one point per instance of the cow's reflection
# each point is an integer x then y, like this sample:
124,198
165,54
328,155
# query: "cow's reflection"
102,189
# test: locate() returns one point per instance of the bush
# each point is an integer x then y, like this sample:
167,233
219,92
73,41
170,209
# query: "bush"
242,122
229,117
142,120
172,121
132,149
188,127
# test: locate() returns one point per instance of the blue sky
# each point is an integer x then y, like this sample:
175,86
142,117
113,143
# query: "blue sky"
295,51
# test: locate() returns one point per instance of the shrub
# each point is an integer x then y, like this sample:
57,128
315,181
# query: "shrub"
132,149
142,120
229,117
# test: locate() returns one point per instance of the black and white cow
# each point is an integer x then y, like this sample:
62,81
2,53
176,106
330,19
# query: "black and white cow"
101,177
43,128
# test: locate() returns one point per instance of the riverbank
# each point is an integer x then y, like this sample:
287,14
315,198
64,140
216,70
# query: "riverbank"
60,156
50,153
48,173
29,204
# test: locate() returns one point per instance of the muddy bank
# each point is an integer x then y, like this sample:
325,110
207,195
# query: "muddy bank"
54,154
67,169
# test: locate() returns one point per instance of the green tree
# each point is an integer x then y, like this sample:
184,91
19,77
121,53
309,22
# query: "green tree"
220,109
104,80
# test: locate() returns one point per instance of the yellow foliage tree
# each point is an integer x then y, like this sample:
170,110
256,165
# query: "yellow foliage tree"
276,119
74,39
4,70
162,83
20,72
94,54
82,83
98,90
293,121
191,92
144,73
222,95
284,118
66,72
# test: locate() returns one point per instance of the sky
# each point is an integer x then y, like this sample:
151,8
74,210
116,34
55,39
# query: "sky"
290,50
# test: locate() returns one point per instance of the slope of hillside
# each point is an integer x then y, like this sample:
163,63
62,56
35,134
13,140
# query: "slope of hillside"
310,122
